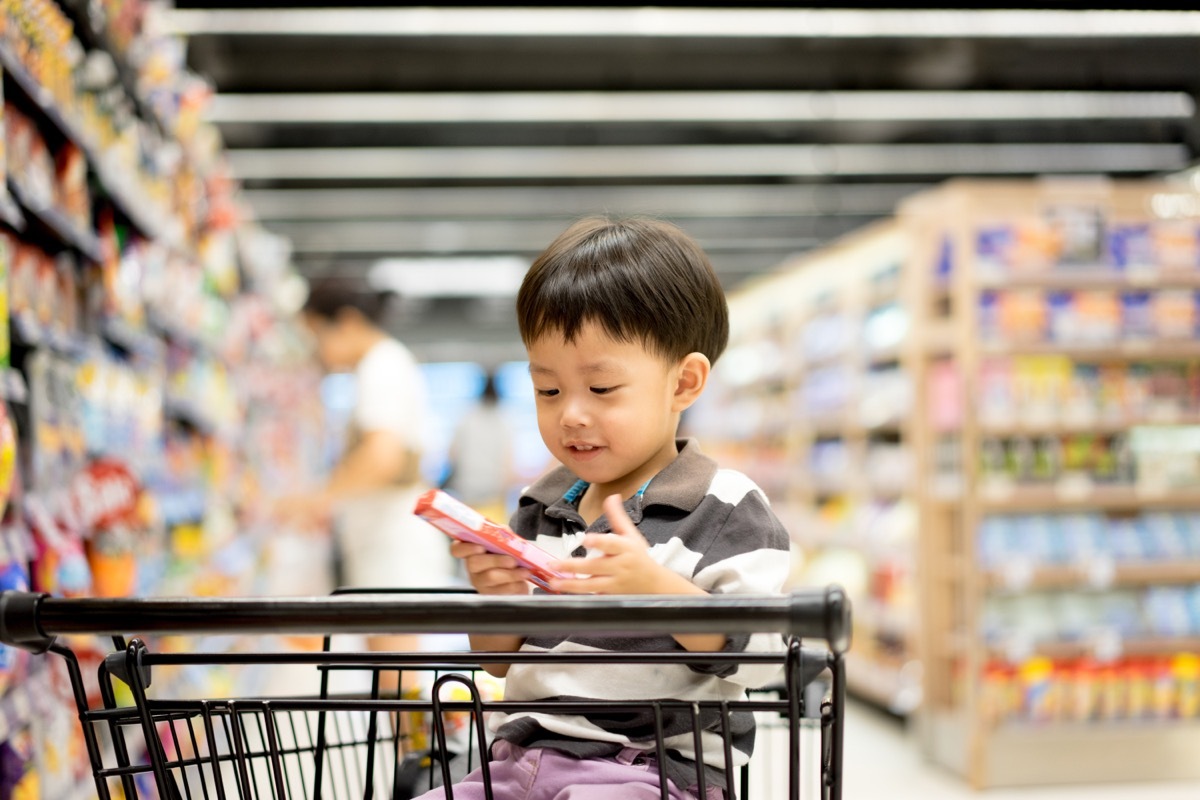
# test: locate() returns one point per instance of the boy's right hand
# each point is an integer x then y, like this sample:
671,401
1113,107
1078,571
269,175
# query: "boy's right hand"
491,573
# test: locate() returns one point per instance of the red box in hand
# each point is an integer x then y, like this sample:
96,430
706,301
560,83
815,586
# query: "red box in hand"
459,521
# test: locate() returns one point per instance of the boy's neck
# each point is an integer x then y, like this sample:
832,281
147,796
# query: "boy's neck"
592,502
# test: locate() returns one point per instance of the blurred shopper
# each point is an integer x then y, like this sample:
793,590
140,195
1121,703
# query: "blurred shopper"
481,455
372,490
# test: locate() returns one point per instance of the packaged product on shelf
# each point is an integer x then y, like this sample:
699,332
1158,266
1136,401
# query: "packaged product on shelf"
23,283
1137,316
1176,245
1174,314
1080,230
14,576
1023,316
6,256
1185,668
8,458
18,772
1131,247
1025,245
72,196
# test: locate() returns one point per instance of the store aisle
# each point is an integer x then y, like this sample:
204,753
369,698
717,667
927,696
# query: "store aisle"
882,762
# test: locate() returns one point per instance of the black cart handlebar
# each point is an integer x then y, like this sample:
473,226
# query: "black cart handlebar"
32,621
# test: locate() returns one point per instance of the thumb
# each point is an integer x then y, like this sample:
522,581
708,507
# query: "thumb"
618,518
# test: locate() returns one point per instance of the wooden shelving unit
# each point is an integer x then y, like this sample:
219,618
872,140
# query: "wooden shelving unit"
920,645
807,327
946,228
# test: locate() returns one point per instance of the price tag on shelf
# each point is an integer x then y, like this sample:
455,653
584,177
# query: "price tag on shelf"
1162,413
1073,488
1018,647
1152,488
1101,571
997,488
1142,275
1107,645
1079,416
1016,573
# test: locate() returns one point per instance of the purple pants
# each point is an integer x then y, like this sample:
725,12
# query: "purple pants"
539,773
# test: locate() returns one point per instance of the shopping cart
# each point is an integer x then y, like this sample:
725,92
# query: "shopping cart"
369,744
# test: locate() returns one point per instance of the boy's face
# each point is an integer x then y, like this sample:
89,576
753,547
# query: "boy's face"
609,410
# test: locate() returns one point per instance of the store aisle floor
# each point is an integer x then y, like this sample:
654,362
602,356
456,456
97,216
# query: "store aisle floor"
882,761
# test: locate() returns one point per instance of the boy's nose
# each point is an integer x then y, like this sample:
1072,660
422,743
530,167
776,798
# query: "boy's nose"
574,415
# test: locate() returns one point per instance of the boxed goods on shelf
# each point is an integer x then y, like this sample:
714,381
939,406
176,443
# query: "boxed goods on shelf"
1064,557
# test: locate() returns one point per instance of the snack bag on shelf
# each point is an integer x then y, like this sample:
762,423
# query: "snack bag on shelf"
1185,668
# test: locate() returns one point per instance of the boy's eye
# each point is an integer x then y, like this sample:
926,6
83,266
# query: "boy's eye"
547,392
602,389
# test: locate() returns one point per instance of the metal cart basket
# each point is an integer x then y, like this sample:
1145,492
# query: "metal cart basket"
376,743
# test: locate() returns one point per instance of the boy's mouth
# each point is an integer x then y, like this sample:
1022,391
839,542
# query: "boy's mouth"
584,450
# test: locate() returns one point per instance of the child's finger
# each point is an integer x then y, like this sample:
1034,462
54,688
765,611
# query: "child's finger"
586,566
619,519
576,585
466,549
606,543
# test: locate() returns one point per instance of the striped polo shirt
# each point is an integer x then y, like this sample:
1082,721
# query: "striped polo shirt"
714,527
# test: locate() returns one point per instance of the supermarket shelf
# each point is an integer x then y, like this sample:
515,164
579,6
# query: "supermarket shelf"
1149,350
1087,753
28,332
886,685
17,706
57,225
884,355
28,87
1141,646
12,386
132,340
10,212
1094,278
878,618
94,38
1099,497
1101,426
1099,576
137,212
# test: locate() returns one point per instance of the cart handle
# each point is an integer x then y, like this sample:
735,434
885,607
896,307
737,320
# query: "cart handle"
32,621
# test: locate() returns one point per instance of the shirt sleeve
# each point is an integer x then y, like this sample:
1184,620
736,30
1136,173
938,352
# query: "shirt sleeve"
749,555
391,396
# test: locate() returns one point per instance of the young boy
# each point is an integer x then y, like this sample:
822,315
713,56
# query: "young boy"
622,321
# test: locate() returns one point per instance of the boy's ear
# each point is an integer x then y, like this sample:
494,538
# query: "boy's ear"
693,373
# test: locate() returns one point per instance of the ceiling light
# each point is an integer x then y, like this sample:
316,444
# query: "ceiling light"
499,276
611,163
685,23
618,107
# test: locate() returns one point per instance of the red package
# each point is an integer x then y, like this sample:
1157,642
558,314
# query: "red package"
459,521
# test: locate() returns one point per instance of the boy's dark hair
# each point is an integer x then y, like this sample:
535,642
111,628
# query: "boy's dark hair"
640,279
329,297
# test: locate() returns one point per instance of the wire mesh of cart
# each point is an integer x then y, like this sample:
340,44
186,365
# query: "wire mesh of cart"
380,742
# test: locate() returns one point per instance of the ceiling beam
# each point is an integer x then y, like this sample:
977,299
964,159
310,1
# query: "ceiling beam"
665,107
529,237
683,161
681,23
515,202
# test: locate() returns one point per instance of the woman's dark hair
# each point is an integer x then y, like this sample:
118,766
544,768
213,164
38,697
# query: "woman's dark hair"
638,278
328,298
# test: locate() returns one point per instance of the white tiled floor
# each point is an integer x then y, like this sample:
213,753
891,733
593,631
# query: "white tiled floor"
883,763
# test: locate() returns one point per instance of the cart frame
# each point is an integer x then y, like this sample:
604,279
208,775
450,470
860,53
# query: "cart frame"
34,621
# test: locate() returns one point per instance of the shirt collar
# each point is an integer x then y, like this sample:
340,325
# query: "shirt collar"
682,484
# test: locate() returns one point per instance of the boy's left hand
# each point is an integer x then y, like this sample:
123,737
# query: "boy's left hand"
624,565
